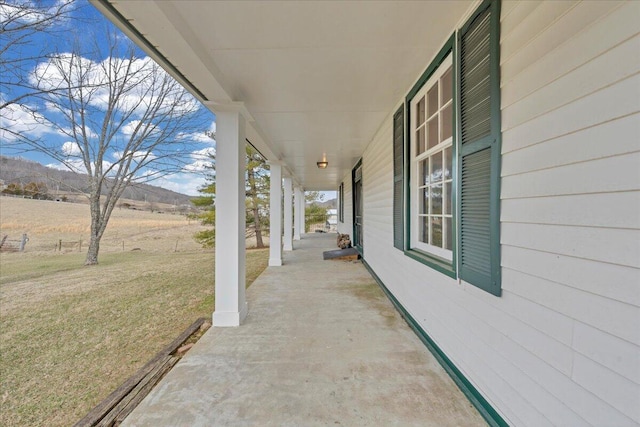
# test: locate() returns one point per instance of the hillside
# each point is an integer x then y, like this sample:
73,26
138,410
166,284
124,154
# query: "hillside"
329,204
58,182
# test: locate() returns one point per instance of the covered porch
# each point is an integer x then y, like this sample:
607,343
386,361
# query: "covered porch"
321,345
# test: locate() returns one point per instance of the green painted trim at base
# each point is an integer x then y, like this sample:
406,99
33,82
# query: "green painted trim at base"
480,403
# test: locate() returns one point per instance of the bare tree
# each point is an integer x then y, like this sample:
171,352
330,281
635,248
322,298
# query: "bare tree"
125,120
22,22
257,194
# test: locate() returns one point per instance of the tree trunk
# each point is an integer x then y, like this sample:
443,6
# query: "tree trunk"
96,234
92,252
253,193
256,219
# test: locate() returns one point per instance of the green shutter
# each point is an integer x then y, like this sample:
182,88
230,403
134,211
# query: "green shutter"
398,178
479,100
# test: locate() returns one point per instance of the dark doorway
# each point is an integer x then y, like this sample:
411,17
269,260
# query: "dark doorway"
357,206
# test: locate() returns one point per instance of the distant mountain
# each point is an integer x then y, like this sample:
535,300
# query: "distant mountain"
329,204
23,171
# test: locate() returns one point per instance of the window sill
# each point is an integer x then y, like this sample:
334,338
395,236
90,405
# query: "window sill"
439,264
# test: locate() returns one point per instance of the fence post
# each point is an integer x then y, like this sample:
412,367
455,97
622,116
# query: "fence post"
23,242
60,245
80,245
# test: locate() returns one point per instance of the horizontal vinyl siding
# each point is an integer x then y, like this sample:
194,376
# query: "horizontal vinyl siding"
570,194
560,346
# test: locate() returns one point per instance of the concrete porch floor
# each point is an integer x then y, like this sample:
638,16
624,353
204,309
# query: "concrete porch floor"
321,345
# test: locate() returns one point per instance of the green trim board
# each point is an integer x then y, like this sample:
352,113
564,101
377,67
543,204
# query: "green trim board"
485,409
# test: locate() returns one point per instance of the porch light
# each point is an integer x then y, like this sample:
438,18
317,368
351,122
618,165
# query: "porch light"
323,164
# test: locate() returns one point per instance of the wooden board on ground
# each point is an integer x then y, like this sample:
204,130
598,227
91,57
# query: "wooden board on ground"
113,409
341,254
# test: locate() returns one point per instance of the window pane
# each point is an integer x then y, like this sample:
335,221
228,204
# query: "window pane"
447,86
436,231
436,199
424,205
432,133
447,122
448,165
420,141
424,229
420,112
424,175
436,167
447,198
432,100
448,228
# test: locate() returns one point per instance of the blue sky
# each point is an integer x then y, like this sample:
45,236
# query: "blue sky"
86,29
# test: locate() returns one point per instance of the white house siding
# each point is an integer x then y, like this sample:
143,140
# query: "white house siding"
561,345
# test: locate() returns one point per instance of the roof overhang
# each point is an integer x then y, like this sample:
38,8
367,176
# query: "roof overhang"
317,79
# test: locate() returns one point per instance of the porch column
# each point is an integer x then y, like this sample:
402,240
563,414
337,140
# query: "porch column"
303,210
296,212
231,306
288,211
275,215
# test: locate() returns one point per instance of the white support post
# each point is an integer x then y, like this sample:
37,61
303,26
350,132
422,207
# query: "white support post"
296,212
288,212
303,210
275,215
230,306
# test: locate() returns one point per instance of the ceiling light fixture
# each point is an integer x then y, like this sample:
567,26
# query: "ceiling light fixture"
323,164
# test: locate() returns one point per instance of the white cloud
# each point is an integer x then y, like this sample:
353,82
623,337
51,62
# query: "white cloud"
202,160
76,165
144,81
197,166
23,120
184,183
71,148
138,156
20,13
73,165
207,137
130,127
205,153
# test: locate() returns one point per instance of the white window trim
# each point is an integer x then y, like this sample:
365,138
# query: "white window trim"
414,242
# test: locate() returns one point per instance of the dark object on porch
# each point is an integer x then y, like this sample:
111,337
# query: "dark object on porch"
344,241
348,253
115,407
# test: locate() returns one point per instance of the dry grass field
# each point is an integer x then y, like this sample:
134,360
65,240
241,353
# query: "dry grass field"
47,222
70,334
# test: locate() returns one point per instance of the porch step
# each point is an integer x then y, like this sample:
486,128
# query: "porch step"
348,253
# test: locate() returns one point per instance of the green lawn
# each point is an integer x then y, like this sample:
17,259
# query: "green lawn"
71,334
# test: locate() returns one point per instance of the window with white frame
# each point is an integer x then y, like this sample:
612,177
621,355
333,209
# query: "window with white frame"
431,156
447,167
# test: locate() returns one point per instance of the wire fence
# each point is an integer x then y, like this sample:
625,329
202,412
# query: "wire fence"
320,223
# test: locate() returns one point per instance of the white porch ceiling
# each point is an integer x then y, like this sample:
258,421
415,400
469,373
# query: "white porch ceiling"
319,78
